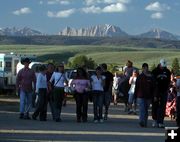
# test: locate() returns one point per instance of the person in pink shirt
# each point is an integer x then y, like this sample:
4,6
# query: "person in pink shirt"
81,85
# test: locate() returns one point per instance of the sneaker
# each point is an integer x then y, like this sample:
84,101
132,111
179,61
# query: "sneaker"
21,116
95,121
58,120
101,120
105,117
160,125
33,117
27,117
154,124
130,112
141,124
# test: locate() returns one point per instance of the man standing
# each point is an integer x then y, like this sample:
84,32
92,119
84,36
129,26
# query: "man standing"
25,81
107,89
144,90
162,77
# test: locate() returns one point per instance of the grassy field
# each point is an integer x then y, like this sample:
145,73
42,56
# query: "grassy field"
109,54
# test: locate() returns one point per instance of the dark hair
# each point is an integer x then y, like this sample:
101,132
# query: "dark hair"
99,68
83,72
42,68
104,66
25,60
145,65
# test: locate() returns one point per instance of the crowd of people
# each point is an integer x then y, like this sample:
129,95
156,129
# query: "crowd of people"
157,87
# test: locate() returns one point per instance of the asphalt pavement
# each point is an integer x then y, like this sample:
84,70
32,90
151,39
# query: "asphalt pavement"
119,127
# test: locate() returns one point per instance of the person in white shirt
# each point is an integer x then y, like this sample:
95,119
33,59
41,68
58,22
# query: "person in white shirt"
97,83
59,79
41,90
131,98
115,87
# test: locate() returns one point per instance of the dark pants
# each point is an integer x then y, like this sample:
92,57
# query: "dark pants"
58,96
98,104
51,105
107,101
159,107
178,111
41,109
81,106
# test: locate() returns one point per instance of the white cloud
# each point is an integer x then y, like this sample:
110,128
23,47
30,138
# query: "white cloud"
156,6
92,9
63,2
61,14
94,2
41,2
157,15
24,10
118,7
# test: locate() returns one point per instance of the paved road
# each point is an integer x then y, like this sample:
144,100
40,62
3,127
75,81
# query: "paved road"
119,127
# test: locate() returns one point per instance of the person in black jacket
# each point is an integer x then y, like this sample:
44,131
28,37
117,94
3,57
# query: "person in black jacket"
162,76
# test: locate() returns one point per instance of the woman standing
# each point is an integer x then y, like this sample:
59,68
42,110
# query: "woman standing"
131,99
97,83
81,85
59,79
41,90
115,87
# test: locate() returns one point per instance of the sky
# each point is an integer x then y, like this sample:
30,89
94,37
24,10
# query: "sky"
51,16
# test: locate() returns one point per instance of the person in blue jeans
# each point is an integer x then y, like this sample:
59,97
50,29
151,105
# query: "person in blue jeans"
144,91
97,83
25,81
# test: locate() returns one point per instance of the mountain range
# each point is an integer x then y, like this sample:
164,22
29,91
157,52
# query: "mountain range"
19,32
105,30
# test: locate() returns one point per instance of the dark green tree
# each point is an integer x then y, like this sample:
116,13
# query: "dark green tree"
175,66
82,61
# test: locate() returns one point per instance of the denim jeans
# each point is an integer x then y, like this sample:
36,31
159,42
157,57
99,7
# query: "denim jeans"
25,102
98,104
143,109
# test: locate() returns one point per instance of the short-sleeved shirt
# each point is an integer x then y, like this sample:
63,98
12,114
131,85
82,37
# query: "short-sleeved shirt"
97,83
81,85
58,78
25,79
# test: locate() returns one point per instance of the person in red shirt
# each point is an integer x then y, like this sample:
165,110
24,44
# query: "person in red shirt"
25,85
144,90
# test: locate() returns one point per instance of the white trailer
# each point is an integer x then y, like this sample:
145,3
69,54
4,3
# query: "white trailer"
10,64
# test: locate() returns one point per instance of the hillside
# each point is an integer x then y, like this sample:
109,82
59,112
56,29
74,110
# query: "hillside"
100,53
66,40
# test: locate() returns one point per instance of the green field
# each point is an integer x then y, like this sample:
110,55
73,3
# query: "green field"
109,54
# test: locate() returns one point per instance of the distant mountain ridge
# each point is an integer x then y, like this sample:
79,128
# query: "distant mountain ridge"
94,31
105,30
19,32
158,34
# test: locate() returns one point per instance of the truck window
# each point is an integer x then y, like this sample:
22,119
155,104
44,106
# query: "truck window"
8,66
0,64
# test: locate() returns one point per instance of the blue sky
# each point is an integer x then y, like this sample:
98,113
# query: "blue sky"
51,16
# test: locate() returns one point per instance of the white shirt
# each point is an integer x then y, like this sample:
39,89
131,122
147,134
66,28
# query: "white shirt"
41,82
116,82
58,78
97,83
